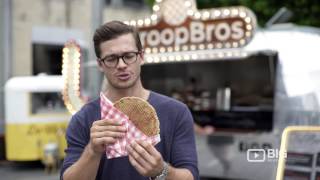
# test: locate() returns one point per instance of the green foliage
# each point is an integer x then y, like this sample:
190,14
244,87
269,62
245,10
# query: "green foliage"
305,12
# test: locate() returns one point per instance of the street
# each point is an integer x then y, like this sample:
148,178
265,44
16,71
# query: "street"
25,171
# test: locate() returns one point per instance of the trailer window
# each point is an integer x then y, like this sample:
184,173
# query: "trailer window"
47,58
47,103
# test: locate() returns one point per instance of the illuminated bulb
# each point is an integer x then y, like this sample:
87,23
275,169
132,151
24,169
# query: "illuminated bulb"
249,27
171,58
242,14
190,12
155,50
244,54
154,17
201,46
133,23
217,13
202,56
237,54
65,50
210,46
156,8
149,59
178,58
212,56
197,15
126,22
242,41
158,1
248,34
229,54
147,21
148,50
169,49
187,3
220,55
140,22
193,47
219,45
235,44
163,59
176,48
186,57
156,59
205,15
77,55
226,12
162,49
194,56
184,47
234,12
247,19
227,45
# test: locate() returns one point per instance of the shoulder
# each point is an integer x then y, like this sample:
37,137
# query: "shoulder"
161,100
88,113
169,108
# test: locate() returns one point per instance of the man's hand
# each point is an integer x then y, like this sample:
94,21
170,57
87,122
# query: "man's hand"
104,132
145,158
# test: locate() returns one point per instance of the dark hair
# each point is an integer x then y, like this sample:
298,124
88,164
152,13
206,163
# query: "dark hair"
112,30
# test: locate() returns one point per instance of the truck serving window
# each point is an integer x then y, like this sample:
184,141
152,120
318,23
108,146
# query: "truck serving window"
235,94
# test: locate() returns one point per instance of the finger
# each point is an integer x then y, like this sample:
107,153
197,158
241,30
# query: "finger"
138,158
137,166
108,134
108,128
151,150
152,154
103,141
141,150
108,122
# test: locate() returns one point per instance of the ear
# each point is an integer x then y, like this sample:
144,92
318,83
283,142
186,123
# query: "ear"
100,65
142,58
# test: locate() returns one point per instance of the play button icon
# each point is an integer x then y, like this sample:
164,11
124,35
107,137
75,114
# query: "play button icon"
256,155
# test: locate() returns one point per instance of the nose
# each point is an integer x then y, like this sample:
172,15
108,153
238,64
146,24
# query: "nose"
121,63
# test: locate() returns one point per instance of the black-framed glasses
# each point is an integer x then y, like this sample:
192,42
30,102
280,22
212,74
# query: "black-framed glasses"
127,57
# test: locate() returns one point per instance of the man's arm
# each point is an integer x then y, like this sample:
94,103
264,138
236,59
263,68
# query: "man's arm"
102,133
179,173
85,168
148,162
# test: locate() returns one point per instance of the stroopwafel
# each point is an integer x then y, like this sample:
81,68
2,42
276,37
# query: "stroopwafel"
141,113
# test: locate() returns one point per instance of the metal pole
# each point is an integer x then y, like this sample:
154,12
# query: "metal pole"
94,74
5,55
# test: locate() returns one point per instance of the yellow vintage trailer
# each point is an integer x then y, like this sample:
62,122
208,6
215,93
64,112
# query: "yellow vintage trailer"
35,118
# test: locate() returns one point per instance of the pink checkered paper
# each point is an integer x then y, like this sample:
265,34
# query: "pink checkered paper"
118,149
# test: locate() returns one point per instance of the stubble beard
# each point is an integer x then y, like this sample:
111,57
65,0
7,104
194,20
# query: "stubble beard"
124,85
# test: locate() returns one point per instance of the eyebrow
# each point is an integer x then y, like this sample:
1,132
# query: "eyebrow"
109,55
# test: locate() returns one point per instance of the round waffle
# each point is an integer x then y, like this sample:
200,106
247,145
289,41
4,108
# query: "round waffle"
141,113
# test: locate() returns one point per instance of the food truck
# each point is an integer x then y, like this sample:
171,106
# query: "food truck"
36,118
247,83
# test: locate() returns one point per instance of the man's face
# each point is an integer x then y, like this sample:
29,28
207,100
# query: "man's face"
123,75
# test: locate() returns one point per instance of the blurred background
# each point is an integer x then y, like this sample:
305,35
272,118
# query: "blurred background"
32,36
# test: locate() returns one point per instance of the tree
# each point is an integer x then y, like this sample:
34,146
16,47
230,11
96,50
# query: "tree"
305,12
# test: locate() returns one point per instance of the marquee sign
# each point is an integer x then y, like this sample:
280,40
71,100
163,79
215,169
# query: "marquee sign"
177,26
176,31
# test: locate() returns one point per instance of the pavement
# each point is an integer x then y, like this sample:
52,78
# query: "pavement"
25,171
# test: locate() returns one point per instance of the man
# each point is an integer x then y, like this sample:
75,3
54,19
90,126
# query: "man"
120,56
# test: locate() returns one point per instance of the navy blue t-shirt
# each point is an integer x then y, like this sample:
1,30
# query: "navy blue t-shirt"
177,145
